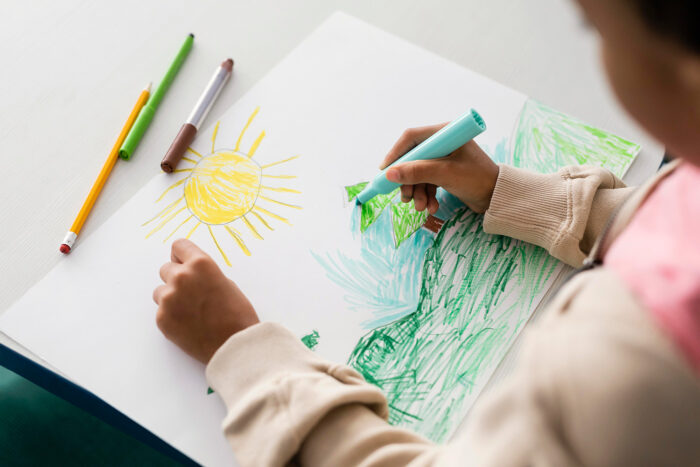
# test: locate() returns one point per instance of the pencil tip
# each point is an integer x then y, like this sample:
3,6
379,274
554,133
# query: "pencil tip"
192,35
148,87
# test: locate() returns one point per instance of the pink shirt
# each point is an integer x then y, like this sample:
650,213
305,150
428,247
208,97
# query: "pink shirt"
658,257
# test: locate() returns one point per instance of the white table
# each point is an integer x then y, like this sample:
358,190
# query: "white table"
71,71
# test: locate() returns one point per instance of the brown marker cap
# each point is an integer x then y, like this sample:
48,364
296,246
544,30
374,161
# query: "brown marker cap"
178,148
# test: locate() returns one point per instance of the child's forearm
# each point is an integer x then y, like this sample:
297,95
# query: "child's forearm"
562,212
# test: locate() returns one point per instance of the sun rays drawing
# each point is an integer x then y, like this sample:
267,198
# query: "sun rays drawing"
226,191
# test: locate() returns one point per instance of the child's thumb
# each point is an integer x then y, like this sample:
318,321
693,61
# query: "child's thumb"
412,173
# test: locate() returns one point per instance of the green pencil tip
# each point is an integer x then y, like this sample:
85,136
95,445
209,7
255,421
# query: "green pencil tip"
192,35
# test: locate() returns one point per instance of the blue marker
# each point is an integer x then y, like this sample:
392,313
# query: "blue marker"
441,144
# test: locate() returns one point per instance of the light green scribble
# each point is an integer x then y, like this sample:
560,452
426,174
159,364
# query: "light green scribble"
372,209
546,140
406,220
354,190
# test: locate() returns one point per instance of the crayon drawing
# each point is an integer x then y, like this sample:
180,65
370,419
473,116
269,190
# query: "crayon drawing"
226,190
311,340
442,309
546,140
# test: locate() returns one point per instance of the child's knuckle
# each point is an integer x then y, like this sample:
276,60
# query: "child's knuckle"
179,279
201,263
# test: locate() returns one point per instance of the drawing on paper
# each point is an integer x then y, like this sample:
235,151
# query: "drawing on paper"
226,190
546,140
475,294
311,340
441,310
405,220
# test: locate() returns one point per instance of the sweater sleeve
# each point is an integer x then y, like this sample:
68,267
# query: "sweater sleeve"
277,392
562,212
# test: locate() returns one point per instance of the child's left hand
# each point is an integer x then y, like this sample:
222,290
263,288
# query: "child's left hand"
198,307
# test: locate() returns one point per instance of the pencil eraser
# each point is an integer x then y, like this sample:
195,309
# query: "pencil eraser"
65,249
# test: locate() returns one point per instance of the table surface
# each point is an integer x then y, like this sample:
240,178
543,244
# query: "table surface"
72,69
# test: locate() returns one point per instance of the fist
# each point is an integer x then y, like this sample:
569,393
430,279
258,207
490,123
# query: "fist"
198,307
468,173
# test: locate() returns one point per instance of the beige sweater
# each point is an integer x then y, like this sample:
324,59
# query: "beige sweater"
597,383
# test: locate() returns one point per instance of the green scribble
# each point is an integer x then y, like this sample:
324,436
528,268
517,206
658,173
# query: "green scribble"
372,209
311,340
210,391
547,140
477,292
354,190
406,220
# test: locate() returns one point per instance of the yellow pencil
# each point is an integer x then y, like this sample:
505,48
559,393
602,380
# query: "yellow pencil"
72,234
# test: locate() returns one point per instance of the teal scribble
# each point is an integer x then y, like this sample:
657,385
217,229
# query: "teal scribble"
499,154
383,281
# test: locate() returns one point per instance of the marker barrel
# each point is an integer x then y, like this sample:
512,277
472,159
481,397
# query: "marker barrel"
146,116
206,100
189,130
183,139
172,71
440,144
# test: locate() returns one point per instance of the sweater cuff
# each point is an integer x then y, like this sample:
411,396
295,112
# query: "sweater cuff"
528,206
250,356
276,391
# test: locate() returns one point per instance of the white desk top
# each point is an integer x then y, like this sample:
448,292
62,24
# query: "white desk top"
72,70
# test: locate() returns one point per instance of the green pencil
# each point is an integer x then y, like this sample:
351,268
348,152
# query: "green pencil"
149,110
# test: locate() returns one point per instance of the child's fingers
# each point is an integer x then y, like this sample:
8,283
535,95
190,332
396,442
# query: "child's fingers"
166,271
406,193
420,197
409,140
433,204
159,292
184,250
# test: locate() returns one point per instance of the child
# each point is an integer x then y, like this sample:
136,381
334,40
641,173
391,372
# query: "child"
610,375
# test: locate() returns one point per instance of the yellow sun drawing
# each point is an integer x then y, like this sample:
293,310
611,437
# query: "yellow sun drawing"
224,190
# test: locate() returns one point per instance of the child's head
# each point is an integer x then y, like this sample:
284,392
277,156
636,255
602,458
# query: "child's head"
651,52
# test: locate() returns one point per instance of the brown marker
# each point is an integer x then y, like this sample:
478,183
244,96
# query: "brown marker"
201,109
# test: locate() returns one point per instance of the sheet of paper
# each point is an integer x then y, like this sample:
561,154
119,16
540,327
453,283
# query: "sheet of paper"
267,191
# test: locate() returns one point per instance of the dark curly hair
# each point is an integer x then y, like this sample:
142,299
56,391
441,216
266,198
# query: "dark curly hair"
678,20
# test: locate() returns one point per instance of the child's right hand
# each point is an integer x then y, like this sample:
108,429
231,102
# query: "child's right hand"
468,173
